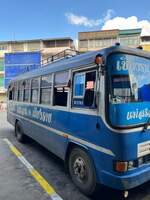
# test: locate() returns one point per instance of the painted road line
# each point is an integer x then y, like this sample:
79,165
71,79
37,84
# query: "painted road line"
37,176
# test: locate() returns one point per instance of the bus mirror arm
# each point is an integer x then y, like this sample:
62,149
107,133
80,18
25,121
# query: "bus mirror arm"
69,84
97,96
101,69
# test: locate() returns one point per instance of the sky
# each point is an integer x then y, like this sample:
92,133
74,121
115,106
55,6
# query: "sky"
35,19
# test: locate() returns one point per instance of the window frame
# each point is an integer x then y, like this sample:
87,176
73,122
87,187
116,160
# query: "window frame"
28,88
20,91
46,87
63,86
96,86
74,85
35,88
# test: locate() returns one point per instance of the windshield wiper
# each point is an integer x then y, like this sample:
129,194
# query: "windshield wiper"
146,125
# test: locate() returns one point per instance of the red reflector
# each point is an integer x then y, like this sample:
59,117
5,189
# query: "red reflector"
121,166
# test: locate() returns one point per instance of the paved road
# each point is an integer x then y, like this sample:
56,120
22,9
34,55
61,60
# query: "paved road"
17,184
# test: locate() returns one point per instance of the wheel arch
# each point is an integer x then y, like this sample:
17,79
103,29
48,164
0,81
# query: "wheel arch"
16,121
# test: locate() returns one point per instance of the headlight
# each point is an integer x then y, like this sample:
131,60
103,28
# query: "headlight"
131,164
123,166
140,161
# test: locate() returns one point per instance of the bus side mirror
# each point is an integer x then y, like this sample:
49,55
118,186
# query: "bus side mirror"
89,97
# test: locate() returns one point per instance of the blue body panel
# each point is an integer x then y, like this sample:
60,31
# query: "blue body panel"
129,113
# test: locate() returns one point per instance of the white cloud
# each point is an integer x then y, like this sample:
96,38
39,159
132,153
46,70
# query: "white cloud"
108,15
127,23
84,21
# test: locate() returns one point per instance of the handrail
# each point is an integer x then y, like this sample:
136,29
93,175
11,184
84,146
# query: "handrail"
59,56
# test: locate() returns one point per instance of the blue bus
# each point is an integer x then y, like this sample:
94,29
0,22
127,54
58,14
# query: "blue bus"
91,110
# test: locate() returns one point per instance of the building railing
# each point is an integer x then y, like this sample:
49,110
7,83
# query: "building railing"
59,56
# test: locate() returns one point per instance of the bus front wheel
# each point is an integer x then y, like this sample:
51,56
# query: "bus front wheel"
21,137
82,171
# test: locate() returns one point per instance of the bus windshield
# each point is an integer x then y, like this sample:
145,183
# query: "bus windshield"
130,80
129,89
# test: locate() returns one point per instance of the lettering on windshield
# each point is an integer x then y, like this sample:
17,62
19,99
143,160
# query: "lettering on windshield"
124,64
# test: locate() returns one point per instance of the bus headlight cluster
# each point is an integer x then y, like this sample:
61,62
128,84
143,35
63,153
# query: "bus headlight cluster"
123,166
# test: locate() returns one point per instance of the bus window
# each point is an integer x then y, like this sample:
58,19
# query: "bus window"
46,88
10,92
15,91
26,92
84,89
61,88
35,90
20,90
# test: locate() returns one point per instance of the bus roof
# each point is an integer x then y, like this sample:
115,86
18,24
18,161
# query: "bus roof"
80,60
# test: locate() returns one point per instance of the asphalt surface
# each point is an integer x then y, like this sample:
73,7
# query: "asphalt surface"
17,184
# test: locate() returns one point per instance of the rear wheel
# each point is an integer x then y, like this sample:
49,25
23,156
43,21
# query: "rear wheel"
82,171
21,137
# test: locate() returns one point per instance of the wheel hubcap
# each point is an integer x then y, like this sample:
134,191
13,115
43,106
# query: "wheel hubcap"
79,168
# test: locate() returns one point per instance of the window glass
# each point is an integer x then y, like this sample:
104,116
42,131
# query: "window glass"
46,81
26,95
11,92
121,89
34,95
26,90
46,87
15,91
46,95
61,79
61,88
84,89
35,82
35,90
79,85
21,89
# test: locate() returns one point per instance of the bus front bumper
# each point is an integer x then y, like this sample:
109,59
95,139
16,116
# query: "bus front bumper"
125,182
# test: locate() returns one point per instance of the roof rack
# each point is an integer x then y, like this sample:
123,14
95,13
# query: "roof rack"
67,53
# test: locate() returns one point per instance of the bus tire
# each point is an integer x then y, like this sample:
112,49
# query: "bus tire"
21,137
82,171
